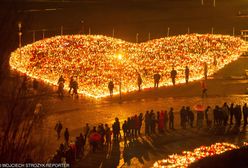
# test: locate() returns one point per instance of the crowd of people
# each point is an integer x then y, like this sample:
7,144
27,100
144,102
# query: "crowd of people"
73,84
173,77
102,136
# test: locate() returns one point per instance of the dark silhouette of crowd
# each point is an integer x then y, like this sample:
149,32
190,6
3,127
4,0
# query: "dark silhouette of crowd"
73,86
232,113
101,137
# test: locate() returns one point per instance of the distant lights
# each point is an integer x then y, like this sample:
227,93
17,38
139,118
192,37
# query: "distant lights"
188,157
92,59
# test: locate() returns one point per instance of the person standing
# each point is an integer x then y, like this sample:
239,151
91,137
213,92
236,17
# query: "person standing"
161,122
136,125
205,71
199,118
166,119
140,122
216,115
82,142
78,148
232,110
139,81
61,79
75,88
107,136
70,84
206,115
171,118
186,74
225,113
183,116
238,115
66,136
116,129
124,129
147,123
61,82
153,122
191,116
111,88
156,77
58,128
173,76
245,114
204,88
94,143
86,130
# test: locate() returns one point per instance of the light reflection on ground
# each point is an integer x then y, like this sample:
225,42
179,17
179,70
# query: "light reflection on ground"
82,113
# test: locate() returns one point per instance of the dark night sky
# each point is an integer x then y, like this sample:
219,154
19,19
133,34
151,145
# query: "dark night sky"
127,17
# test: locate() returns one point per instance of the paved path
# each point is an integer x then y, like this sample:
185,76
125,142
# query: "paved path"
143,151
74,114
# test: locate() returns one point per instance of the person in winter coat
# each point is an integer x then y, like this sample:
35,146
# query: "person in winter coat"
161,122
171,118
186,74
139,82
66,136
58,128
111,88
173,76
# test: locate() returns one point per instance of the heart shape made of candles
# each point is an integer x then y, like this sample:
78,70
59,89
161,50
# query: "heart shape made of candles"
97,59
188,157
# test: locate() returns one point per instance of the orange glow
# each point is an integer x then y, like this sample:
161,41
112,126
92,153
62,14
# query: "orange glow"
92,58
188,157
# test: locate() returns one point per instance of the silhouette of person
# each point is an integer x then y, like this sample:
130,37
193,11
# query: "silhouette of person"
66,136
186,74
111,88
61,82
156,77
71,84
171,118
58,128
205,71
204,89
173,76
139,81
75,88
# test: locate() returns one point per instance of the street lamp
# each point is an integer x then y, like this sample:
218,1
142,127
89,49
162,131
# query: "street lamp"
20,38
33,36
43,33
20,34
120,58
61,30
168,31
82,26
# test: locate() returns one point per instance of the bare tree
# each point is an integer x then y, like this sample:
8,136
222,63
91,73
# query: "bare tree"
18,122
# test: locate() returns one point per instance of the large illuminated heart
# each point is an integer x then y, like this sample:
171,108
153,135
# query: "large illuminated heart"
97,59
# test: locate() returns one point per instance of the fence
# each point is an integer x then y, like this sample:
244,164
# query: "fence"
31,36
